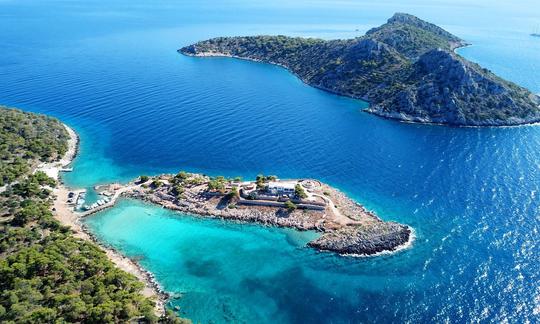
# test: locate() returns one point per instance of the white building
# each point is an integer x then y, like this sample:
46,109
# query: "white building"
281,188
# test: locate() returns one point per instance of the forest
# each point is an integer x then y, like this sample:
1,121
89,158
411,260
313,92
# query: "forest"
46,274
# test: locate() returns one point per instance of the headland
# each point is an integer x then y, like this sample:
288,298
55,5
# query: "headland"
346,227
406,69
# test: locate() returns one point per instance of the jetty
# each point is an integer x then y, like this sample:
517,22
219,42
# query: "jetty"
107,202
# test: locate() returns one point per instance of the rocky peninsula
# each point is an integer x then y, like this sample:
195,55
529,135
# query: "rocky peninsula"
406,69
303,204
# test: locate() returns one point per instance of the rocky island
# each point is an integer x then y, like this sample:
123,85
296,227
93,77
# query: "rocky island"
406,69
304,204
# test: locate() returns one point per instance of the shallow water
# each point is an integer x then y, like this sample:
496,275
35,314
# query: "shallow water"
112,72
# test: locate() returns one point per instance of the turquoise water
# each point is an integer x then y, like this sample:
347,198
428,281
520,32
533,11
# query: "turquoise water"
213,264
111,71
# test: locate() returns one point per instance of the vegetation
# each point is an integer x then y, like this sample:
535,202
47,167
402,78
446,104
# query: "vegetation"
290,205
46,274
63,278
217,184
178,191
405,68
187,179
233,194
143,179
260,181
413,37
299,191
24,138
194,180
181,176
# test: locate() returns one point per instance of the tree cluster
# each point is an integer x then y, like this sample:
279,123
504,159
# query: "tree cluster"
46,274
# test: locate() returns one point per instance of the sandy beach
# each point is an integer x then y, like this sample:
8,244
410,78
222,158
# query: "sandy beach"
66,216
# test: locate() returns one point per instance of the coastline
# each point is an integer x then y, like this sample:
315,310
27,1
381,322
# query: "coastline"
405,246
406,119
380,238
67,217
346,227
373,109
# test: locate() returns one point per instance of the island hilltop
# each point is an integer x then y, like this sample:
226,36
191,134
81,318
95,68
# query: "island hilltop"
406,69
347,227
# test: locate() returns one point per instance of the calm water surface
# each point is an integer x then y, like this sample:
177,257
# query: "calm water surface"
110,70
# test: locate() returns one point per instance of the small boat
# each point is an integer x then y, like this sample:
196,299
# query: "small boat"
80,202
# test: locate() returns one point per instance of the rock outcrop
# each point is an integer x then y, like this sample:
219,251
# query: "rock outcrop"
369,240
443,87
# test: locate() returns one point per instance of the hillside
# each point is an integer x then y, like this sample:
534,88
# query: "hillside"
46,274
406,69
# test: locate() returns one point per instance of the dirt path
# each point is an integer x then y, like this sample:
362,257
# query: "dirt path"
338,216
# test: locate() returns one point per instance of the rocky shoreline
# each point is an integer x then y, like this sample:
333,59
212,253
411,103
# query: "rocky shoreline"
369,241
379,110
346,227
406,69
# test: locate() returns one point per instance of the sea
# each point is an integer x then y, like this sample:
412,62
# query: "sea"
110,70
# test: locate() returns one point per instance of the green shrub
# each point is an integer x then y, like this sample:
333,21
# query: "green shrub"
299,191
143,179
290,205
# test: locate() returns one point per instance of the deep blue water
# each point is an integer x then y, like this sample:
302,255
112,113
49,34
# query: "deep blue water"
110,70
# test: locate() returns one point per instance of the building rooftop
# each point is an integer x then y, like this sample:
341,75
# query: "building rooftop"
282,184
